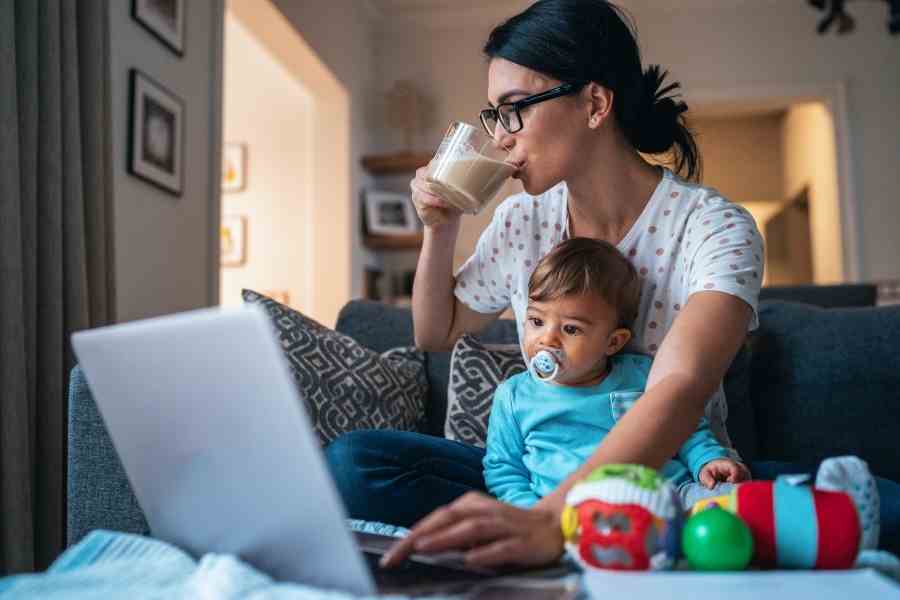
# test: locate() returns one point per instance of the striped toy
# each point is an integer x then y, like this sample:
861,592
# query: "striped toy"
796,526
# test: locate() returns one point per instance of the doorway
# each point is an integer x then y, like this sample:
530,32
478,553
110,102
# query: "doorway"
286,167
782,156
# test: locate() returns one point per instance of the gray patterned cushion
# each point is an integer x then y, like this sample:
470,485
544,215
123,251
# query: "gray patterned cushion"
344,385
476,369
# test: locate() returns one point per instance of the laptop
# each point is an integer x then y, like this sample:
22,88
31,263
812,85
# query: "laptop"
219,451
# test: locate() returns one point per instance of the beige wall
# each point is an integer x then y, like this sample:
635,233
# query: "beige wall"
707,45
742,156
809,154
317,254
166,248
278,139
341,34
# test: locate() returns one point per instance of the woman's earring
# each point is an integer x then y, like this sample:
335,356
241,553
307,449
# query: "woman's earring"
594,121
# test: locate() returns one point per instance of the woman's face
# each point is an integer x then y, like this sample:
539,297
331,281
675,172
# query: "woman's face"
548,148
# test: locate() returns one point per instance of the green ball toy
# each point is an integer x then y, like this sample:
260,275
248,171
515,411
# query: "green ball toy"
717,540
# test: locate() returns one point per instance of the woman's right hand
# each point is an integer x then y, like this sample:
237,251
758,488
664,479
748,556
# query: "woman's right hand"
432,208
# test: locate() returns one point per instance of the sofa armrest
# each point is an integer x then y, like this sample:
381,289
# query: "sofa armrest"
99,495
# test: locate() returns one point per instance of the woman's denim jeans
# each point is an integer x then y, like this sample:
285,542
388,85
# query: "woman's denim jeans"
398,477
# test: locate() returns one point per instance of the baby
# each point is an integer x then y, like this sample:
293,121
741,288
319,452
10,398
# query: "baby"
548,421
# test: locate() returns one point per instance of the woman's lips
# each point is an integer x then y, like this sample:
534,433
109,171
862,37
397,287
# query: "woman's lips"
520,166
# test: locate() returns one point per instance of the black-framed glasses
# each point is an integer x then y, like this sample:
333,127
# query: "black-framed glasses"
508,113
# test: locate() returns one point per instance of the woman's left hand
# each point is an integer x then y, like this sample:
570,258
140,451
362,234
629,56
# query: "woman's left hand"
491,533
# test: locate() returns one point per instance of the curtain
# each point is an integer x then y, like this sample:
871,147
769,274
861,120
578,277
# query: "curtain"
55,251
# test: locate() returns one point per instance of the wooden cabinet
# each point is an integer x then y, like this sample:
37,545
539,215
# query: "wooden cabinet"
397,163
374,242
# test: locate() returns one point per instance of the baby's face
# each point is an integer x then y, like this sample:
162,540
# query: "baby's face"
581,326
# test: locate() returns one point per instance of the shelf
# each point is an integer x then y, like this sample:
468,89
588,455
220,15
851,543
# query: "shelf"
395,164
411,241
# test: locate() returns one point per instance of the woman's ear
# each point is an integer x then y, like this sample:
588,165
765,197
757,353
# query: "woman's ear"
617,340
601,102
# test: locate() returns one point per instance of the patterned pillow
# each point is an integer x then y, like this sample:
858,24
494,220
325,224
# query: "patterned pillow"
345,386
476,369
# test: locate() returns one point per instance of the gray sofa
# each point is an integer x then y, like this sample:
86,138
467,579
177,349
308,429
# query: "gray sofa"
811,382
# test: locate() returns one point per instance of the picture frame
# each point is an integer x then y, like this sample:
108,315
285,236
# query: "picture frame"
156,132
233,241
234,167
390,213
164,19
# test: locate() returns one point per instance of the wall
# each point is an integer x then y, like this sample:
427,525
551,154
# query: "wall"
165,247
742,156
267,109
708,45
810,161
324,247
341,34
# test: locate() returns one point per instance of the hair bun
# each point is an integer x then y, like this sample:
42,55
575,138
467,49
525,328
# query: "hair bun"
659,112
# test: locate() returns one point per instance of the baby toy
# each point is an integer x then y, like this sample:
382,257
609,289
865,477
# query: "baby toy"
798,526
716,540
627,517
623,517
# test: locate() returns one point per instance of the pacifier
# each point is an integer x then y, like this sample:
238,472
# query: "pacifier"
545,364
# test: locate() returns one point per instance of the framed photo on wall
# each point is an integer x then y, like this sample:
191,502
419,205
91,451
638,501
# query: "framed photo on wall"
164,19
233,240
156,130
390,214
234,167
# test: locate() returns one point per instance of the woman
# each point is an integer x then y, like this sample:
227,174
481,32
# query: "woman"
570,101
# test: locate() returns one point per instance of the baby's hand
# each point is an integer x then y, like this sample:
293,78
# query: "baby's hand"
723,469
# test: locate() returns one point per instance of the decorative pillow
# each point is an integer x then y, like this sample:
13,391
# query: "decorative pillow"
476,369
345,386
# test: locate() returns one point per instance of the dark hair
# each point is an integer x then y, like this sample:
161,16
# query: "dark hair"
584,265
593,40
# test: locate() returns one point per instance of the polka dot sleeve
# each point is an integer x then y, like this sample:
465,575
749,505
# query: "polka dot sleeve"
479,281
726,252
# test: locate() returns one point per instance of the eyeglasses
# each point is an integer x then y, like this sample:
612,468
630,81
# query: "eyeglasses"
508,113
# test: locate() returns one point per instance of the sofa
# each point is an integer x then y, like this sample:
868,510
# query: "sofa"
811,382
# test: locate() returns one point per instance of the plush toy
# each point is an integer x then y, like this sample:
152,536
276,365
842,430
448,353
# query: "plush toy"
623,517
798,526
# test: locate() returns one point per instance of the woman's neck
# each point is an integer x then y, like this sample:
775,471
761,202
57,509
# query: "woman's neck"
610,193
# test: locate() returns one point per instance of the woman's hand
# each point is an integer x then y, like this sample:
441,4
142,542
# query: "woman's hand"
723,469
491,533
431,206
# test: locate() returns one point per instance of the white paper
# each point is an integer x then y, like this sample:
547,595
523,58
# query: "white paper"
856,584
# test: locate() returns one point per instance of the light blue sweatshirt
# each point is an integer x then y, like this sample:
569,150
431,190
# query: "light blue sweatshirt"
540,433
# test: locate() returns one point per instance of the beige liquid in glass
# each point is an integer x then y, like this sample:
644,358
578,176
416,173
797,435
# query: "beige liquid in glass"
471,182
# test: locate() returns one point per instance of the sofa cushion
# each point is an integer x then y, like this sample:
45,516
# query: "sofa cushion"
741,419
380,326
99,495
476,369
843,295
346,386
825,382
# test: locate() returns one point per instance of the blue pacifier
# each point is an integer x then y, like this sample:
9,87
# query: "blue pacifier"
545,364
